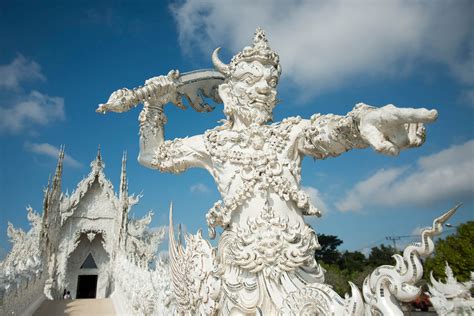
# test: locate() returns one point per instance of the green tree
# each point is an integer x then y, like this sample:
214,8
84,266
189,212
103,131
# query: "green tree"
328,252
381,255
336,278
352,261
457,250
350,265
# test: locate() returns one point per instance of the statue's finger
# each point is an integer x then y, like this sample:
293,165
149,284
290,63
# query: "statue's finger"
416,135
421,130
412,133
410,115
421,135
377,140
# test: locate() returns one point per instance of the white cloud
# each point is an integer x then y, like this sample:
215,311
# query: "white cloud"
323,44
20,69
448,174
468,97
200,188
369,189
316,198
33,109
51,151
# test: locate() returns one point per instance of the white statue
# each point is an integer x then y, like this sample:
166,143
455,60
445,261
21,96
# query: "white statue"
451,297
264,262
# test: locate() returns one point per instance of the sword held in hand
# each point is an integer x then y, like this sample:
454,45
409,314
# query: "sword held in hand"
193,86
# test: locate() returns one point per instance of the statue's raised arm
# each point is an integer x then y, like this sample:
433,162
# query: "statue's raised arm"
387,129
171,155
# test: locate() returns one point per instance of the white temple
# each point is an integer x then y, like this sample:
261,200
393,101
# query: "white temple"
77,244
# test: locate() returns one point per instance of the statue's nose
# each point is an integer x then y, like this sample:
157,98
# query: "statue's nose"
262,87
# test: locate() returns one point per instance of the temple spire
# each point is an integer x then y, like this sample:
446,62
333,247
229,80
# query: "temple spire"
46,203
46,197
123,194
56,185
123,197
99,156
97,164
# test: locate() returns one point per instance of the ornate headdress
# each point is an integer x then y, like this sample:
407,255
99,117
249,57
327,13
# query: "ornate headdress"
259,51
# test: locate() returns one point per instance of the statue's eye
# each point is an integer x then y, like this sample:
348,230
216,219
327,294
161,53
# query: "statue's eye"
273,83
248,80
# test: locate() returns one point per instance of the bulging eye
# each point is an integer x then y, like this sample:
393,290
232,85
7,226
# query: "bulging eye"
273,83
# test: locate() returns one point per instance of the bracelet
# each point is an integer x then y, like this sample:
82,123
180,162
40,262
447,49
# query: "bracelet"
152,115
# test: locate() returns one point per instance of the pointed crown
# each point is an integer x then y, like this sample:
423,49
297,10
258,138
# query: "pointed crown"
260,51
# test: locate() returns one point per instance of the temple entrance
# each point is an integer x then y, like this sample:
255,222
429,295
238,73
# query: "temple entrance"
87,273
86,286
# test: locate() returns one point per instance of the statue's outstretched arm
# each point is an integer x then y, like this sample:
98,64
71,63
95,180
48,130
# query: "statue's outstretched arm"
387,129
157,153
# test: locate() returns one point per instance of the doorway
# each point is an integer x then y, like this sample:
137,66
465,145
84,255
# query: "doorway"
86,286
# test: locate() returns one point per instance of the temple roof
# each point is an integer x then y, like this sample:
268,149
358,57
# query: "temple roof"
70,203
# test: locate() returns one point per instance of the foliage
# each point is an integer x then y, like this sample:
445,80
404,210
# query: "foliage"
336,278
352,261
342,267
457,250
328,252
349,265
381,255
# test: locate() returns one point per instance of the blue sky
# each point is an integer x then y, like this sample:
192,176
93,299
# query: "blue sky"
59,60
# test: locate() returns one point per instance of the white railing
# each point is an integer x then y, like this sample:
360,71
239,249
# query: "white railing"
140,290
23,294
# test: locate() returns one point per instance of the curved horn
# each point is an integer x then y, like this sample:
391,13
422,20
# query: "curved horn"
223,68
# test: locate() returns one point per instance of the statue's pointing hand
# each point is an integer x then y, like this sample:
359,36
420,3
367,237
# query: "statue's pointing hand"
390,129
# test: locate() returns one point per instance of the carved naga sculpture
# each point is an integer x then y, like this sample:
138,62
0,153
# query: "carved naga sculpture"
264,262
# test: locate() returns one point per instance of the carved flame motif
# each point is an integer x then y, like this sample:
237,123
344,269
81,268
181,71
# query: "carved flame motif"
195,289
451,297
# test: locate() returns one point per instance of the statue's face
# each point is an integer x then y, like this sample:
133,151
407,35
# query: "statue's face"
251,92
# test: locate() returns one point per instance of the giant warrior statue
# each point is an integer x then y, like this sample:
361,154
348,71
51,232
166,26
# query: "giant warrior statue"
264,263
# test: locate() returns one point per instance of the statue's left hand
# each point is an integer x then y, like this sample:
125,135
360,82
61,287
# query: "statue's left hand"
389,129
